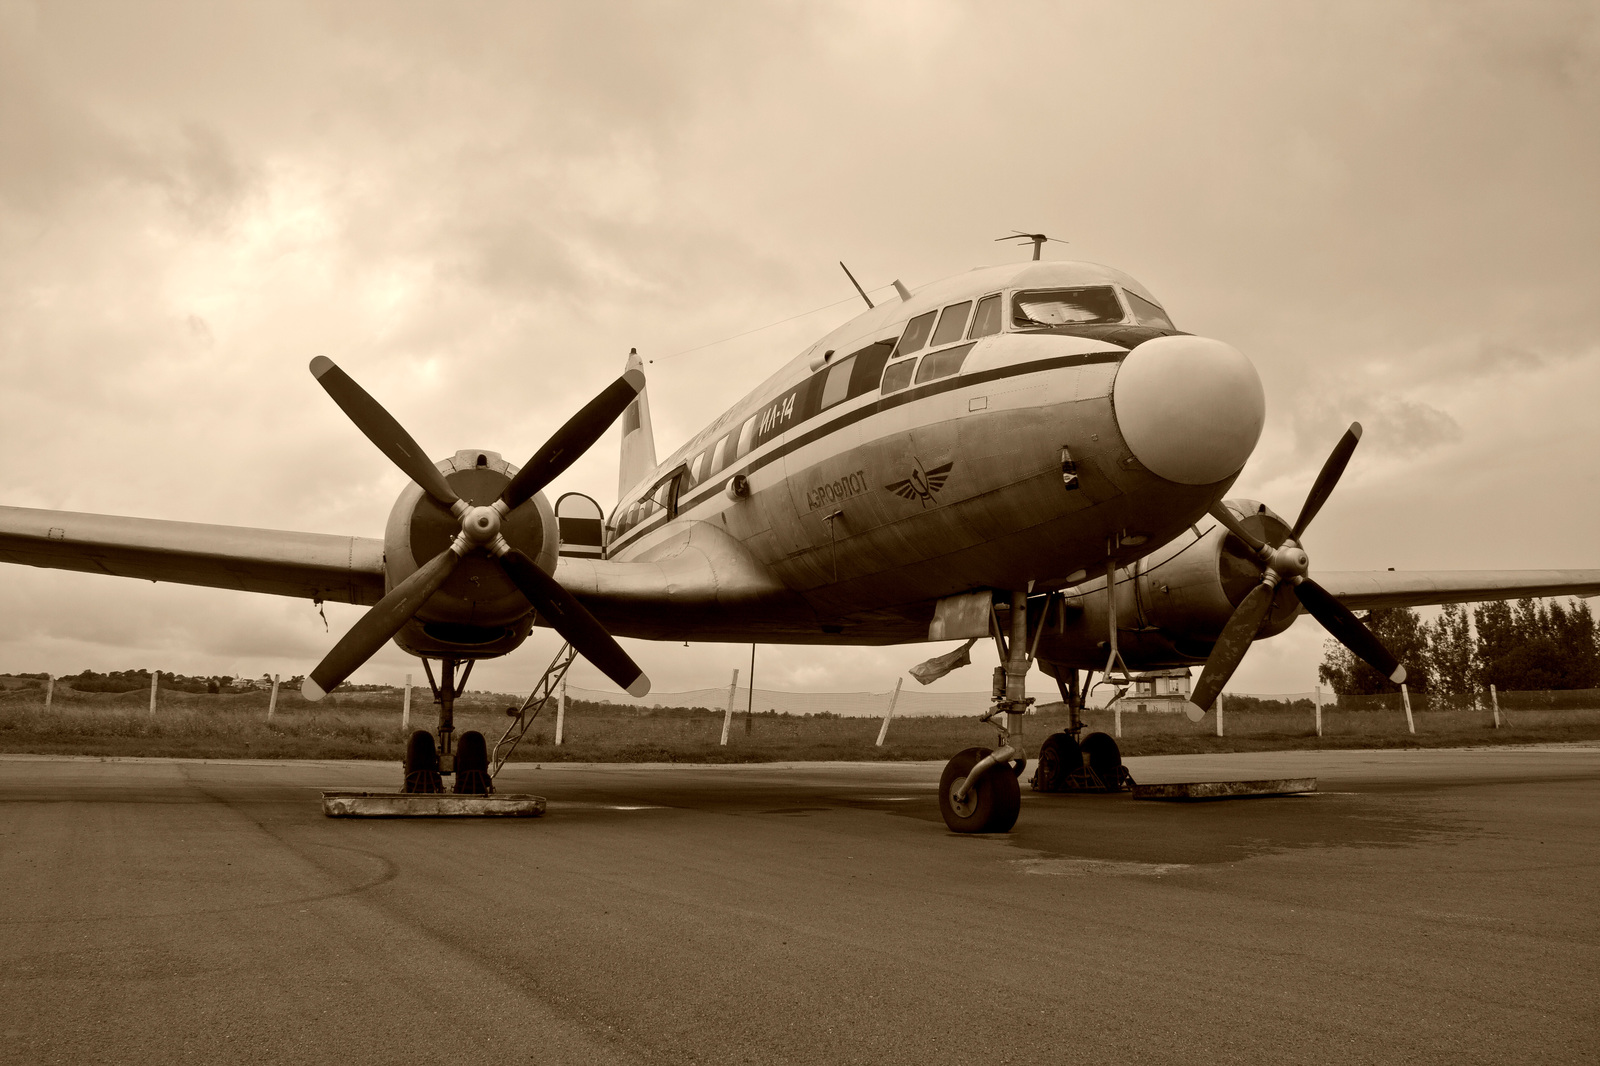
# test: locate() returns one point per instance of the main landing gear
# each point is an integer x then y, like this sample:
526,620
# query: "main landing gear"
1066,764
428,761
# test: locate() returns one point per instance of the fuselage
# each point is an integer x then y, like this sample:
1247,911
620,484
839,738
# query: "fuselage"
1014,428
968,437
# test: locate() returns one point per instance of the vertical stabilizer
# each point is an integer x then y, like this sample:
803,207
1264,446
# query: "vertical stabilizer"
638,438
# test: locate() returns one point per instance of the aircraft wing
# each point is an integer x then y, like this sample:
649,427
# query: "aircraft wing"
1366,589
701,585
305,565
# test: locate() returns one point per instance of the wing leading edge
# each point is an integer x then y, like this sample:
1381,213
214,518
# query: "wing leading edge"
1367,589
314,566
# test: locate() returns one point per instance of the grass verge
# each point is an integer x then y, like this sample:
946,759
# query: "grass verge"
235,726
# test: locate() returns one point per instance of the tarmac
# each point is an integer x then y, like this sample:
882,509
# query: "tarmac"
1436,906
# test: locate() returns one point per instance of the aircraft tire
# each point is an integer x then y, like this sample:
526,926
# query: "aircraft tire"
472,765
1059,758
422,764
1100,751
993,804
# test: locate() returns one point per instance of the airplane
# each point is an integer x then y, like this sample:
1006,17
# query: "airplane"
1021,453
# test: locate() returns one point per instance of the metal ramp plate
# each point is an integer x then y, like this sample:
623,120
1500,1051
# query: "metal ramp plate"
429,805
1213,790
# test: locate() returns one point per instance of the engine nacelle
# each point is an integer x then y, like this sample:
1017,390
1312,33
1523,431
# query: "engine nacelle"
478,611
1172,604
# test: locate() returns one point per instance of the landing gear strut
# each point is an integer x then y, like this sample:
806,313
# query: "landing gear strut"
427,759
978,790
1068,764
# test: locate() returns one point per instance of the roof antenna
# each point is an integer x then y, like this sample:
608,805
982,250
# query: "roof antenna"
1038,240
856,283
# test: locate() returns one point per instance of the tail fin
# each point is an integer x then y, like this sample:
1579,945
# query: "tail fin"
638,438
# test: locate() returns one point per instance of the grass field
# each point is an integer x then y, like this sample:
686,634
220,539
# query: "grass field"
367,726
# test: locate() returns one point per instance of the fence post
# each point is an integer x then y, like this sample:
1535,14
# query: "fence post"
1405,694
561,711
894,698
272,701
49,690
1319,710
1494,698
727,719
1116,709
155,675
405,707
1219,714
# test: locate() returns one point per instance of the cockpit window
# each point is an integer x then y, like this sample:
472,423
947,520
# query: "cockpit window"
1146,313
916,334
952,324
1065,307
987,320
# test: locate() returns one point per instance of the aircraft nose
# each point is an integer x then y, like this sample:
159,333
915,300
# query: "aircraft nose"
1190,408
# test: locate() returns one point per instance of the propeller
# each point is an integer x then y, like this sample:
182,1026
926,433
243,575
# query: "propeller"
1286,566
480,531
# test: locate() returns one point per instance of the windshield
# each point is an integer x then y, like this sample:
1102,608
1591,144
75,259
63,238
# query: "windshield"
1065,307
1146,313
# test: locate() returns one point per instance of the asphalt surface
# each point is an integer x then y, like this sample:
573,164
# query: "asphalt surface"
1428,906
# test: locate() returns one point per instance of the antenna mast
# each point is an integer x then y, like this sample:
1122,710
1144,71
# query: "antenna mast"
856,283
1037,239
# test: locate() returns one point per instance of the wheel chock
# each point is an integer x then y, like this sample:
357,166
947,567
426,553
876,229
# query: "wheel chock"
429,805
1215,790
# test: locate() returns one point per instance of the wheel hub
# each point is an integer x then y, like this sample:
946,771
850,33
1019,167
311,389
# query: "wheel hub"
963,807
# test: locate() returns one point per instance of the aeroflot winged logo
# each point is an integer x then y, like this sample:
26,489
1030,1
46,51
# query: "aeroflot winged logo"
923,485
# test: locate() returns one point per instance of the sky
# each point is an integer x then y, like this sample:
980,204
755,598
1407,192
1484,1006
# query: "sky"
476,210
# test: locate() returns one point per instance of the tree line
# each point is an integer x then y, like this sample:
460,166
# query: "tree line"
1527,646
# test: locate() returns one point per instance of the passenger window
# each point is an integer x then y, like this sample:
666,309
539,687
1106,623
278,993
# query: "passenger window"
916,334
942,364
898,376
747,433
721,454
837,387
987,320
952,324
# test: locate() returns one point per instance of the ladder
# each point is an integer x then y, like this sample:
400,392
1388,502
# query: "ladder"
522,717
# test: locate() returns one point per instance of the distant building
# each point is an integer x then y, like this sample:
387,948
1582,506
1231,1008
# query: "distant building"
1158,690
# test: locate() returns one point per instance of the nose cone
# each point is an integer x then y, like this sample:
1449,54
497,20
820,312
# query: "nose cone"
1190,408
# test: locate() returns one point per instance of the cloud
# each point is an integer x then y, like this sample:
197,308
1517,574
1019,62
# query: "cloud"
479,210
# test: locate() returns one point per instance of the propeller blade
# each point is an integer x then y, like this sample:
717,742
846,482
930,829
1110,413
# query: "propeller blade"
1236,638
1220,512
375,628
381,429
1349,630
574,622
573,439
1332,471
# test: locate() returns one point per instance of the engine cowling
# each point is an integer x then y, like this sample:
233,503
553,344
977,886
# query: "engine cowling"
1172,604
477,611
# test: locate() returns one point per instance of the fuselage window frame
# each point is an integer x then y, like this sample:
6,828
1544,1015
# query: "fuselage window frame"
992,305
952,324
944,363
916,335
897,376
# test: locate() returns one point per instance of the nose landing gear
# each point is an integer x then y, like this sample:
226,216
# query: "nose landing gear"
978,790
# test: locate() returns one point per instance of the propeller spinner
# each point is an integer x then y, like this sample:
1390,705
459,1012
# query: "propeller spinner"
1287,566
479,532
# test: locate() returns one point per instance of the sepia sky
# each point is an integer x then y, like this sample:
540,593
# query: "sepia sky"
477,209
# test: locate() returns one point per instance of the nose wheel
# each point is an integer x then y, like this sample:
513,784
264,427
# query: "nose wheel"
988,805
